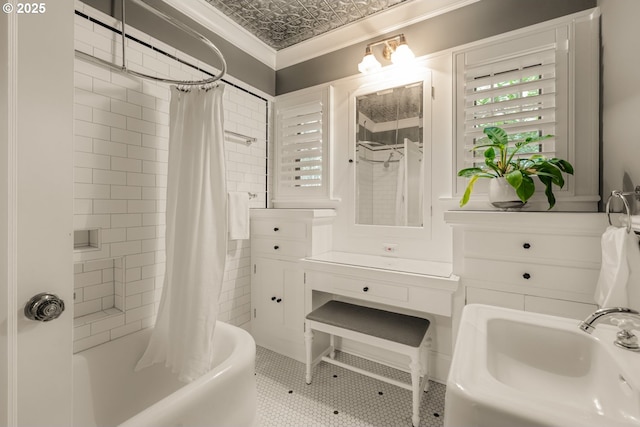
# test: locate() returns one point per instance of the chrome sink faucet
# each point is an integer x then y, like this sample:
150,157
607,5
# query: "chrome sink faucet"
624,338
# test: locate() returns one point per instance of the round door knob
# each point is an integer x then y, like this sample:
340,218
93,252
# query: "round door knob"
526,245
365,289
44,307
526,276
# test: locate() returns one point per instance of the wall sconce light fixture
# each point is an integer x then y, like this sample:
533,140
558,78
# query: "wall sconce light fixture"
395,49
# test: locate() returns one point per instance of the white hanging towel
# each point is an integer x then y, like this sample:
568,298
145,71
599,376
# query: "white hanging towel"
238,215
611,289
633,260
635,221
196,237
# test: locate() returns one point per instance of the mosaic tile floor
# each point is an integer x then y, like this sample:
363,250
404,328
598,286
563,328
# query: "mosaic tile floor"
337,396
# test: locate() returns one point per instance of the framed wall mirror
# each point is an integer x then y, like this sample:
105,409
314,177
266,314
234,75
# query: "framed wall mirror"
389,153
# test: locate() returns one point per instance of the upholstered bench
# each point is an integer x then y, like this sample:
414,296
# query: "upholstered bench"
400,333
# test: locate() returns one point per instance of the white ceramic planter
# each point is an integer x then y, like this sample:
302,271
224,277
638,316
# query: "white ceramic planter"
502,195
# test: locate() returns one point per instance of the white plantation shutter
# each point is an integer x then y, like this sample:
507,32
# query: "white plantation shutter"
302,130
518,95
521,83
301,140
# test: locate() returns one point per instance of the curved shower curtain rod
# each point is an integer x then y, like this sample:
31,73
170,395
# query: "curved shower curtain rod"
176,23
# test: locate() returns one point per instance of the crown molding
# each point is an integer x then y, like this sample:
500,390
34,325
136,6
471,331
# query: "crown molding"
211,18
393,19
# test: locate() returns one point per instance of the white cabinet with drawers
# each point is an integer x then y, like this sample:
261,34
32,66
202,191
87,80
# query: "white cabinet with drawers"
279,239
547,262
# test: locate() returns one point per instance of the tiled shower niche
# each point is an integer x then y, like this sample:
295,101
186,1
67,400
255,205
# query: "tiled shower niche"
98,296
97,286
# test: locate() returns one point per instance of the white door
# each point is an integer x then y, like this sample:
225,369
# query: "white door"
36,208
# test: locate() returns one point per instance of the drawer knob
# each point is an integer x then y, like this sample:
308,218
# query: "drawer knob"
366,289
273,298
276,247
279,300
526,245
276,229
526,276
350,160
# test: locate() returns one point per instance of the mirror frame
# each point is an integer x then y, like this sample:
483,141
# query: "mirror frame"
392,231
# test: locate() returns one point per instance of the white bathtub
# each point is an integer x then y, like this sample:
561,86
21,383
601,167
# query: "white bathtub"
108,393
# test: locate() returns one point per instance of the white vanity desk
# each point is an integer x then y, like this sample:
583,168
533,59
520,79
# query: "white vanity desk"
420,288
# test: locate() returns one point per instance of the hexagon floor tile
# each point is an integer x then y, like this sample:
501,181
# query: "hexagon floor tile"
337,396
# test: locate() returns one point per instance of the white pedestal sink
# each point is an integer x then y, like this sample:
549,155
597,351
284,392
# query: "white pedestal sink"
516,368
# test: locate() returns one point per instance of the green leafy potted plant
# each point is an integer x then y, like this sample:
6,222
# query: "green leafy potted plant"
502,163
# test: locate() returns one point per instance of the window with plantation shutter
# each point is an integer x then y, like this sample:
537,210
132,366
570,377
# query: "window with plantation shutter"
517,94
519,84
302,148
536,81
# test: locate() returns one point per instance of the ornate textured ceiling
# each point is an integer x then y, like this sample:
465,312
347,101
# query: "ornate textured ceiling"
282,23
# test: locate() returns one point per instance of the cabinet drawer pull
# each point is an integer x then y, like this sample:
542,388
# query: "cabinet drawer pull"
273,298
276,229
365,289
276,247
526,245
526,276
279,300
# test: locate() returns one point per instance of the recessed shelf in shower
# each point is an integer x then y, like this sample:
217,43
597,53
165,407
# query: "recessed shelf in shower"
86,239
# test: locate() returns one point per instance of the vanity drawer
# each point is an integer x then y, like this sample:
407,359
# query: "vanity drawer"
424,299
279,228
558,307
278,247
523,275
500,245
492,297
368,289
552,306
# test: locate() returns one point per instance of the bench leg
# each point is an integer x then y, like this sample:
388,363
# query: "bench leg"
416,369
425,362
332,346
308,341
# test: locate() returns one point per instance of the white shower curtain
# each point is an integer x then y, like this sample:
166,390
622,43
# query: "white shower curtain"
401,193
196,237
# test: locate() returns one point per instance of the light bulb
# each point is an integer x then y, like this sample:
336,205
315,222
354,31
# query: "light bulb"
402,55
369,63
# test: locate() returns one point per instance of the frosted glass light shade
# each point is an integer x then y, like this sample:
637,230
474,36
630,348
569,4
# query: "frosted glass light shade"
369,64
402,55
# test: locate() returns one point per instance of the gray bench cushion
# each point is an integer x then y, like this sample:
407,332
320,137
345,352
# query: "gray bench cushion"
396,327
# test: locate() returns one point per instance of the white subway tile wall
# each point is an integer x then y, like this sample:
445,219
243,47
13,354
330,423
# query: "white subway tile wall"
377,191
385,183
120,168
